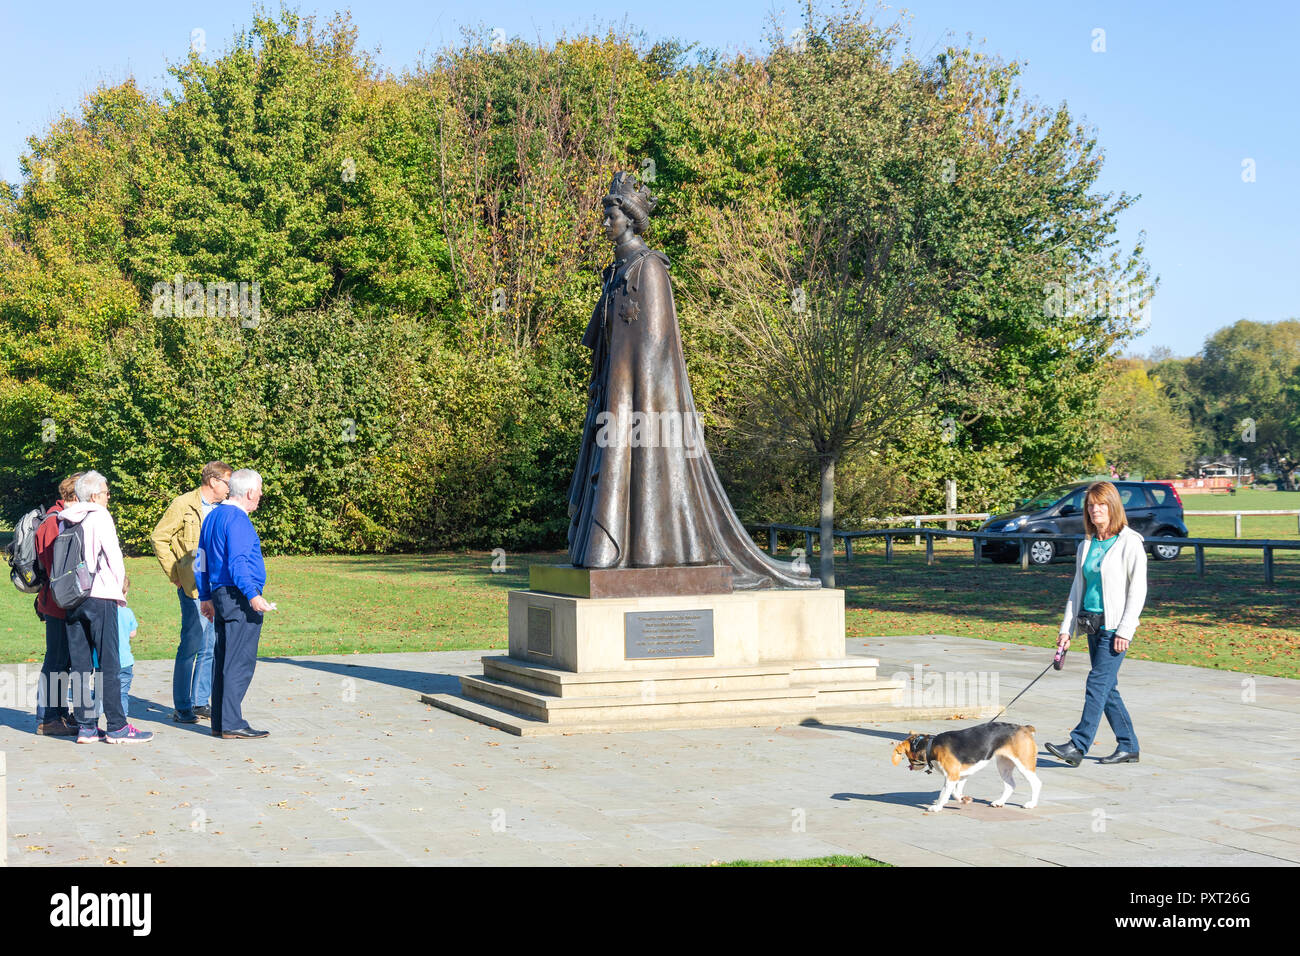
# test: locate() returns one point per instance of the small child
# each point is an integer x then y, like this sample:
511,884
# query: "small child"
126,628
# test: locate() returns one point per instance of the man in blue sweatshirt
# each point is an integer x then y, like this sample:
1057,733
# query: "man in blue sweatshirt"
230,575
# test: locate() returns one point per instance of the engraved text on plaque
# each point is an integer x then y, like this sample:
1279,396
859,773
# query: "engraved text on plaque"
651,634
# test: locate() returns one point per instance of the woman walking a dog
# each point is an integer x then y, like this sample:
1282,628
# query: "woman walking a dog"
1109,589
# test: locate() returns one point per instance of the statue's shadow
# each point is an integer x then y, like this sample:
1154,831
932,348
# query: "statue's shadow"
423,682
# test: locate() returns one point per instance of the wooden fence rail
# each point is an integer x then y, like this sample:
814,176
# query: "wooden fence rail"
1267,546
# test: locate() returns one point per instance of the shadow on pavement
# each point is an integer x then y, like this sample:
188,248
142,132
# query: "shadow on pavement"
865,731
423,682
23,721
910,798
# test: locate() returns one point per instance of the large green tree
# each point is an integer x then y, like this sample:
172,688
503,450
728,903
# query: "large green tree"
458,206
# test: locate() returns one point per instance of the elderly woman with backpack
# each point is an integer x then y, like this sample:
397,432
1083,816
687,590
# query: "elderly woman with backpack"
90,595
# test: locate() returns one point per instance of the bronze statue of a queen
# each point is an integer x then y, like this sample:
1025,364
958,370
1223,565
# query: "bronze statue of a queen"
645,493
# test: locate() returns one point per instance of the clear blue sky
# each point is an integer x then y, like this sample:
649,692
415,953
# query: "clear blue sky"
1183,93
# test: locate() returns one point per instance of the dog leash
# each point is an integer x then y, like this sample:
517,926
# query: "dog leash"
1057,661
1050,665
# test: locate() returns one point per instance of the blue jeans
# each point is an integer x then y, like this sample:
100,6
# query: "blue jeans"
192,675
1101,695
125,676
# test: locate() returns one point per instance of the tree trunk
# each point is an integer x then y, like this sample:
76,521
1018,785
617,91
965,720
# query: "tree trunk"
828,523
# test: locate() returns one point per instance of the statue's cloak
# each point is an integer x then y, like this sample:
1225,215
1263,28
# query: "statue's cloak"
645,493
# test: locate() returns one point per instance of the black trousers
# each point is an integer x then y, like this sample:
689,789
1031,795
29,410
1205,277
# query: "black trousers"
93,627
52,694
239,628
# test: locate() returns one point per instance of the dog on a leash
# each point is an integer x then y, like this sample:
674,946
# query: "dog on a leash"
959,753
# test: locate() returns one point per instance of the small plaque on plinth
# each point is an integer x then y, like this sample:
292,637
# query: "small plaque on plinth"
540,634
629,582
664,634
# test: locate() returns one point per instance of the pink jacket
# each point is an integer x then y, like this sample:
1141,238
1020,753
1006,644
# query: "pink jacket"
103,553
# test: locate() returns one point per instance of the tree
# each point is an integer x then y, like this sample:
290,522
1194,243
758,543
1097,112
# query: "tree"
834,341
1245,378
1142,430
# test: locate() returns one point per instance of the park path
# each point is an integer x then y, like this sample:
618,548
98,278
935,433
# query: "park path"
358,771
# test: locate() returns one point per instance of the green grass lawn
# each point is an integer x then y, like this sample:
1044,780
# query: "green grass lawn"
384,603
326,605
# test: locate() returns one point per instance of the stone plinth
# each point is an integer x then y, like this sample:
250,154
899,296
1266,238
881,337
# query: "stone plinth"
745,658
628,582
748,627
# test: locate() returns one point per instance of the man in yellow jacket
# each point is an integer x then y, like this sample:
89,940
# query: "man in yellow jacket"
175,541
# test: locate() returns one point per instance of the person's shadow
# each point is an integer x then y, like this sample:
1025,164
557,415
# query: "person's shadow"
23,721
155,713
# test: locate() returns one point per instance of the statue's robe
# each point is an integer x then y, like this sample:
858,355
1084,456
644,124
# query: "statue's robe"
645,493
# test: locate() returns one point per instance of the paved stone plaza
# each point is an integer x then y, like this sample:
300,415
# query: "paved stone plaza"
358,771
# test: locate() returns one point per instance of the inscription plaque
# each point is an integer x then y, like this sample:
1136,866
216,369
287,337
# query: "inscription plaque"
539,631
661,634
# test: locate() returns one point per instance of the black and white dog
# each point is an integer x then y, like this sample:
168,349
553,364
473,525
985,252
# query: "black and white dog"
959,753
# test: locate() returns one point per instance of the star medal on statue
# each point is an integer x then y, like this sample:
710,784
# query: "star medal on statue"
628,310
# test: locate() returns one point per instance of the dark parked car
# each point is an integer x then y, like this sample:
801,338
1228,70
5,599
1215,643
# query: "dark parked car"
1153,509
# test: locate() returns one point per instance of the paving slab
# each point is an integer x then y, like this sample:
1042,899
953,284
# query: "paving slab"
358,772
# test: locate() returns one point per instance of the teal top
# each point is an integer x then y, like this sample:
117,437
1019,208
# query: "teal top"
1092,573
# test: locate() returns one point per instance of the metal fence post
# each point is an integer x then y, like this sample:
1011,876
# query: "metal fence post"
848,548
807,543
916,541
1024,556
1268,565
1238,522
929,549
771,540
976,542
889,548
1200,560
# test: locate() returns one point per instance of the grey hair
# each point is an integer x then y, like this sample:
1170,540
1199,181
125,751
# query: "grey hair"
91,483
244,481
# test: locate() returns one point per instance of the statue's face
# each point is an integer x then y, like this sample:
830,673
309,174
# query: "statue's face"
616,222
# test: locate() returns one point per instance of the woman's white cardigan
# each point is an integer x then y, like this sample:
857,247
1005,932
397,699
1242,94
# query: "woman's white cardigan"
1123,584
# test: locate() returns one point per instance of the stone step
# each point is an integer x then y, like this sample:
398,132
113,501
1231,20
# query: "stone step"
874,693
833,671
698,703
555,682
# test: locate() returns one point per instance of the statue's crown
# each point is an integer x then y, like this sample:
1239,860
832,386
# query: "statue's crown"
634,197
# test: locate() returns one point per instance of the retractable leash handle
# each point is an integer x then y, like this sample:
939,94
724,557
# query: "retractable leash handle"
1058,661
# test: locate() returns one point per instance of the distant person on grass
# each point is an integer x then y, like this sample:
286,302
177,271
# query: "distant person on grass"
54,720
175,541
231,575
1106,600
92,626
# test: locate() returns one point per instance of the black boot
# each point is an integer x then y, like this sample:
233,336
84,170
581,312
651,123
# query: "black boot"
1067,752
1121,756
